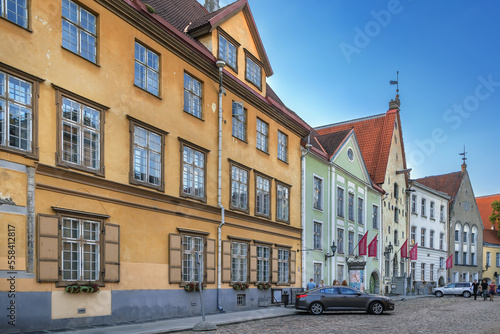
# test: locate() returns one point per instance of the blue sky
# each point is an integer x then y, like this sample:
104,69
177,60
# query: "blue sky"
333,60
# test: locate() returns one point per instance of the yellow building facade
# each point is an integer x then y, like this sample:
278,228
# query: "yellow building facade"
121,170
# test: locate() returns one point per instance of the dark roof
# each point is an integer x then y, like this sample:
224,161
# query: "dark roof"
491,236
485,209
332,141
374,135
446,183
179,13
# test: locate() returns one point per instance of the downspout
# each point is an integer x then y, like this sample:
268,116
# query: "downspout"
220,64
330,221
303,209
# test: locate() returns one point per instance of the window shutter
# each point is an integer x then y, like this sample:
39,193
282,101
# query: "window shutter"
274,265
226,261
111,268
253,264
48,248
293,268
175,258
210,261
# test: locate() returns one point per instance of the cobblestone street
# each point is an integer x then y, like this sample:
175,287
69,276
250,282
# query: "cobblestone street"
419,315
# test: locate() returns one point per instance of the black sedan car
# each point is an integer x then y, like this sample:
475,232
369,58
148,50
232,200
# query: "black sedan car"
341,298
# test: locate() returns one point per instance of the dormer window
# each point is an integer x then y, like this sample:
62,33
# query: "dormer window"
228,50
253,71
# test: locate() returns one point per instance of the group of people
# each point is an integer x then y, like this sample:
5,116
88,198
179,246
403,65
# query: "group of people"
484,289
311,285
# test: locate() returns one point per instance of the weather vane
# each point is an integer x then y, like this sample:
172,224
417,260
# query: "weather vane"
463,153
396,82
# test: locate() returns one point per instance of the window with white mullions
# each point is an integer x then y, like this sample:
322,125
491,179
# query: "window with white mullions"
15,11
317,193
239,121
147,69
262,135
239,263
192,95
79,33
16,110
282,146
147,156
262,264
263,197
253,72
190,246
227,51
283,265
80,250
317,235
282,202
239,188
193,172
80,134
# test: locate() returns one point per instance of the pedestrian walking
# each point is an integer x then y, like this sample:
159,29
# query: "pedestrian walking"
484,289
475,288
493,289
311,285
322,283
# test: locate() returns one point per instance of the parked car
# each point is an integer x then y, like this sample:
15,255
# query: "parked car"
341,298
463,289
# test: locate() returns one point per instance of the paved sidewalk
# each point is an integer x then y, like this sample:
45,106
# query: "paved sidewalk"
183,324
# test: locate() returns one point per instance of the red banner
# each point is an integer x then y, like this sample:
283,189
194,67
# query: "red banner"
372,247
404,249
449,262
413,253
362,245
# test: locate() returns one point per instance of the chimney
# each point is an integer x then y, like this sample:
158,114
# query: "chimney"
212,5
395,104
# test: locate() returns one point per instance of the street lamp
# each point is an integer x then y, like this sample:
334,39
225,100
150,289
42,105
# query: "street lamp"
333,248
388,249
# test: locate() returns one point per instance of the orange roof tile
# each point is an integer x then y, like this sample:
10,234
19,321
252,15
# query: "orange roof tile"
374,135
485,209
491,237
446,183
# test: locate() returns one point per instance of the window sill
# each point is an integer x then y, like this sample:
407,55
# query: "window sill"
242,140
265,152
319,210
14,23
76,54
96,172
152,94
147,185
199,199
193,115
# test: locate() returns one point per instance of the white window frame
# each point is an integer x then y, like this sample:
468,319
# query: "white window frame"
282,202
350,206
375,211
193,90
414,204
317,235
361,210
239,262
282,146
146,69
413,235
239,121
422,207
20,16
340,201
147,156
77,25
193,172
262,135
340,241
253,72
283,265
228,52
262,196
422,237
73,234
239,188
263,254
190,245
317,193
432,208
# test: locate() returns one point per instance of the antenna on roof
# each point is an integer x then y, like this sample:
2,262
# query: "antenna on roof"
395,104
395,82
463,153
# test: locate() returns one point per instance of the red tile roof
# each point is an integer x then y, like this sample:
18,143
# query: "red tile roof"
491,237
485,209
374,135
446,183
179,13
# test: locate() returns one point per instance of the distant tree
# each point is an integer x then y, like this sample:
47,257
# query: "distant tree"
495,215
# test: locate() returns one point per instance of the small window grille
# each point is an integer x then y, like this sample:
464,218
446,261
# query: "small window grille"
241,300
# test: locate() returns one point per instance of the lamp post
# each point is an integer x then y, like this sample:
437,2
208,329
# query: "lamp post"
333,248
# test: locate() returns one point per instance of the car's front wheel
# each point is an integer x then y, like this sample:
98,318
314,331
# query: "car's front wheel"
316,308
376,308
439,294
466,294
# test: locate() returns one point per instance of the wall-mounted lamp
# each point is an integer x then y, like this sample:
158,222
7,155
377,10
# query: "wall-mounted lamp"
388,249
333,248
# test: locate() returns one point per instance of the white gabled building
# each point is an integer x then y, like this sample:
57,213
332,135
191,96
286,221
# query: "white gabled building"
428,228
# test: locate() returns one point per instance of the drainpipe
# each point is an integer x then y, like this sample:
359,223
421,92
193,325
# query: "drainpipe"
303,209
220,64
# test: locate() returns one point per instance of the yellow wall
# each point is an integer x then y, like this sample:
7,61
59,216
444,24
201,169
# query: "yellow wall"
144,223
